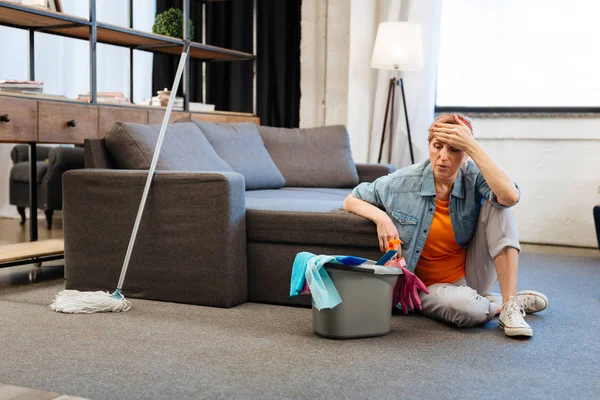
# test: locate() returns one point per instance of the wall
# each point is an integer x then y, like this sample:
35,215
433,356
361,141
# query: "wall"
324,50
337,81
338,85
361,77
556,162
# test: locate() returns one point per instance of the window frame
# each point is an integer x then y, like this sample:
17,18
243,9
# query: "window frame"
518,110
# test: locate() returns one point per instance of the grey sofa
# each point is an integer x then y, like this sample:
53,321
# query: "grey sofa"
229,209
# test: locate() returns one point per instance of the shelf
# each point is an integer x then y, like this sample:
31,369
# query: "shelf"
28,250
41,20
24,17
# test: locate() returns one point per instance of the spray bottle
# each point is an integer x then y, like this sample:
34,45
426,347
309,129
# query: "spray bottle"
396,261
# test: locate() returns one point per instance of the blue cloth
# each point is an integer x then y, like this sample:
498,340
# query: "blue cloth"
299,269
408,197
351,260
309,267
298,272
323,291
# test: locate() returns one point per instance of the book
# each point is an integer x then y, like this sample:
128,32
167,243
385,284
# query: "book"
20,81
9,88
21,84
36,3
201,107
104,97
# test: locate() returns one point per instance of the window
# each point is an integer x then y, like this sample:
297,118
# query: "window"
514,53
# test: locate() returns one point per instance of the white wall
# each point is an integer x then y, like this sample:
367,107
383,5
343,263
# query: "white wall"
338,85
556,162
361,77
336,77
324,50
63,65
312,63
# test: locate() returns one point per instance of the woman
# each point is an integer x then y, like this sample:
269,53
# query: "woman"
457,231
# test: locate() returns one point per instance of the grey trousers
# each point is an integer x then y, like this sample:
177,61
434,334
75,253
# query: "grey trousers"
462,303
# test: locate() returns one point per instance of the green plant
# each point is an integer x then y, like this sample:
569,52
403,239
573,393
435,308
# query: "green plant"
170,23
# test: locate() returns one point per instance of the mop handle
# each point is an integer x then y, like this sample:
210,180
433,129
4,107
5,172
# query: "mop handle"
161,136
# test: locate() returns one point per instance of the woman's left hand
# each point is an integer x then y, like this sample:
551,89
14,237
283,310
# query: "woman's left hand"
458,136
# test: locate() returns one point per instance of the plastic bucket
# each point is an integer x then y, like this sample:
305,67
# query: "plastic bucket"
366,308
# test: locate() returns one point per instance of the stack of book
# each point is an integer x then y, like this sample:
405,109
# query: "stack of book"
105,97
18,86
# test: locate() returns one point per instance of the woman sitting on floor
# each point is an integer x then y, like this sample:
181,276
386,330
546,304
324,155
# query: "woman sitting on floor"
457,231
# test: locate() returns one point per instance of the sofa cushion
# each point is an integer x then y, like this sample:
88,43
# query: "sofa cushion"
315,157
185,148
297,199
335,228
306,216
241,146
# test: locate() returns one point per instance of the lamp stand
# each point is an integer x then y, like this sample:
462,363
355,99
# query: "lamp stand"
390,110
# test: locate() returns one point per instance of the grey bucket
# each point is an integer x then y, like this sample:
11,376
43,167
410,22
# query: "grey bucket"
366,308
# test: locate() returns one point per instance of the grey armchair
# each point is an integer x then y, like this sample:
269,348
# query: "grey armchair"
52,162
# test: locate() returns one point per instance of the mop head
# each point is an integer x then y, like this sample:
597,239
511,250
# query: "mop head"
76,302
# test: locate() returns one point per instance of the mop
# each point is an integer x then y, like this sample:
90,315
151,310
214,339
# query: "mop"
74,301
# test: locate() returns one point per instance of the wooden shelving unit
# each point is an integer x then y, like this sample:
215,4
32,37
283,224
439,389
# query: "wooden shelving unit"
40,20
40,120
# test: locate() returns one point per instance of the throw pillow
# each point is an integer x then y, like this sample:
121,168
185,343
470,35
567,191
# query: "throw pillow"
184,148
315,157
241,146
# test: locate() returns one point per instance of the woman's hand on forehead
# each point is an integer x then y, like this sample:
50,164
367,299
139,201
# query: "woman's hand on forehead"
445,118
457,135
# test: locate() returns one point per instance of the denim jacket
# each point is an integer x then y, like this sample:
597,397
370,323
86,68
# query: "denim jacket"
408,197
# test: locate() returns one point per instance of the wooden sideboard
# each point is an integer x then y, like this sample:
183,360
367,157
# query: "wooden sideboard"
27,119
33,120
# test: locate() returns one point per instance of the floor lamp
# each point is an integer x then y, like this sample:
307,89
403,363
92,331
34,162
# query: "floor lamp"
397,48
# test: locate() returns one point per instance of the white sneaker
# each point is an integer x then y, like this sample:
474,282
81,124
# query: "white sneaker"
511,319
530,300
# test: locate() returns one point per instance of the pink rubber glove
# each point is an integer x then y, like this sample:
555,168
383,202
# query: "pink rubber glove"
407,289
398,291
412,286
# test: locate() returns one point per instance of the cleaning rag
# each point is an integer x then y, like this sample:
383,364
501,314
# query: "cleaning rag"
324,293
298,281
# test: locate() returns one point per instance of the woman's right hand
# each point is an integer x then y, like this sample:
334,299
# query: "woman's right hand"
386,230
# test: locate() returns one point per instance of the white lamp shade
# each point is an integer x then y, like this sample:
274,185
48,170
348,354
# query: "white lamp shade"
398,47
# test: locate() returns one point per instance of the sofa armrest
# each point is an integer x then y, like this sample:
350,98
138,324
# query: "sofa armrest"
60,159
370,172
66,158
20,153
191,245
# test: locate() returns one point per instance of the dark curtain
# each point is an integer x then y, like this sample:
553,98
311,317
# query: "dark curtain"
164,66
278,67
229,84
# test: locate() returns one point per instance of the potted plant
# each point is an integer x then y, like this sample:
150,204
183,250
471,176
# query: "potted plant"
170,23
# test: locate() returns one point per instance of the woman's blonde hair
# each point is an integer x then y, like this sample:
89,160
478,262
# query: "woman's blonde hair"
466,120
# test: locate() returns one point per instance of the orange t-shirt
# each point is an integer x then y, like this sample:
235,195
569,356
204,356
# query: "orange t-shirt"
442,259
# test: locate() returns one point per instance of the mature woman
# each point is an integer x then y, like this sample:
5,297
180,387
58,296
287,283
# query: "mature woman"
457,231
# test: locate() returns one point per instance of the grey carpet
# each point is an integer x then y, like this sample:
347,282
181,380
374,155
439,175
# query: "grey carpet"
173,351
